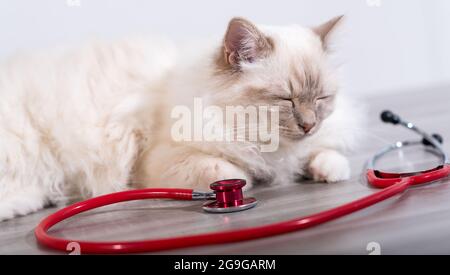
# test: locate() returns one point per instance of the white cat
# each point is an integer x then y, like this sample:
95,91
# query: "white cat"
98,119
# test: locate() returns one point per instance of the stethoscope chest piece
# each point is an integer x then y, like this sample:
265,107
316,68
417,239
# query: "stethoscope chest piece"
229,197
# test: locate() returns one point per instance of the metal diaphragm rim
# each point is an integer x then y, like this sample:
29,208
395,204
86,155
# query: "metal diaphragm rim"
213,207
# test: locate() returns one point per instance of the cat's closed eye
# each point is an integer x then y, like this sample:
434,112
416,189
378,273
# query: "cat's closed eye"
287,100
325,97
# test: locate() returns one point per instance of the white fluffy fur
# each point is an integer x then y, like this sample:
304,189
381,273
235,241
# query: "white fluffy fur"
96,120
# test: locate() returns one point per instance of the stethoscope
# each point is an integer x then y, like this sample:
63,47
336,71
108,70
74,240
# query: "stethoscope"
227,197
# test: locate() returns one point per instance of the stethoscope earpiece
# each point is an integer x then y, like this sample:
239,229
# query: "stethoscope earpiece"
390,117
437,137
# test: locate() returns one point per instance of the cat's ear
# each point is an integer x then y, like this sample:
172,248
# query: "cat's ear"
243,42
324,31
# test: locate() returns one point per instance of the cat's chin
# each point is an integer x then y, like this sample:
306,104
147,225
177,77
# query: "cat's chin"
294,138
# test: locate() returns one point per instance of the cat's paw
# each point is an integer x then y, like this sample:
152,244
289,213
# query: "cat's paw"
329,166
20,205
215,169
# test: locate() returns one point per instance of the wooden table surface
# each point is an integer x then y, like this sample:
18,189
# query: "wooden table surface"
418,222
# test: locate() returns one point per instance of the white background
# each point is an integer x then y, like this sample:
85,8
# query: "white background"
385,45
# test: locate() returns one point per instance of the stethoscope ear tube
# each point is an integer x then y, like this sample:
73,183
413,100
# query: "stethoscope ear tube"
382,179
434,140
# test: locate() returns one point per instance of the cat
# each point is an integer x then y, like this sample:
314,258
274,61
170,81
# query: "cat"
85,122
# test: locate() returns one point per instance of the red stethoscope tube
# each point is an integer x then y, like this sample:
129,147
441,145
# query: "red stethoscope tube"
381,179
391,188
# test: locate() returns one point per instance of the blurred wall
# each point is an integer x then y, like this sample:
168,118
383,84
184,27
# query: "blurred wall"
385,45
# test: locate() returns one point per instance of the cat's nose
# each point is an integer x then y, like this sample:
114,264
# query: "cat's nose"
307,127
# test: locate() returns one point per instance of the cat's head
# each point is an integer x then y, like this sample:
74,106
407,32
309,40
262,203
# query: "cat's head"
279,66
